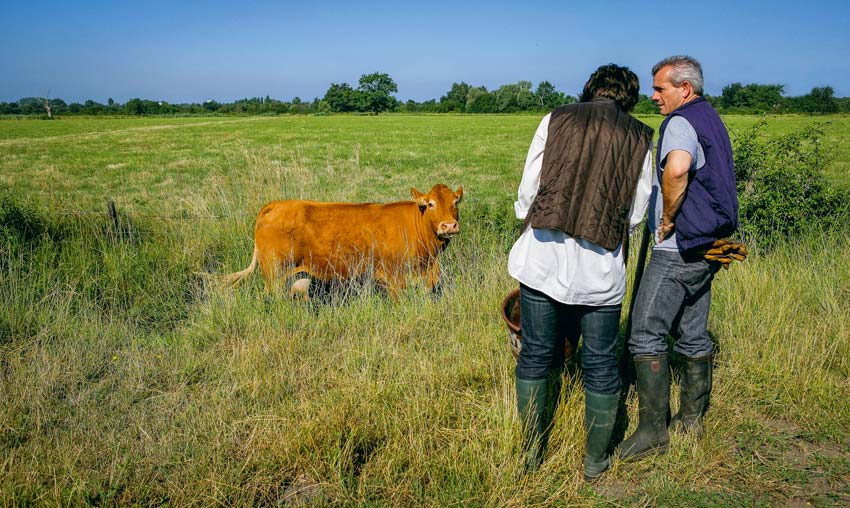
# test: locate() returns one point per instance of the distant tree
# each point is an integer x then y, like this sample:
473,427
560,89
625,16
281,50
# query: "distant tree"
753,97
820,100
299,108
211,105
473,93
429,106
35,106
110,102
31,105
133,107
59,106
479,100
547,97
525,99
506,98
645,106
766,97
165,108
514,97
47,106
253,106
313,106
377,89
10,108
543,94
729,97
409,107
91,107
342,98
455,99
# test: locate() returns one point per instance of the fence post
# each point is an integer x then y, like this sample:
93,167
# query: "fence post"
114,214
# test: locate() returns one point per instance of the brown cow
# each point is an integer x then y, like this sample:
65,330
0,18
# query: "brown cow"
341,241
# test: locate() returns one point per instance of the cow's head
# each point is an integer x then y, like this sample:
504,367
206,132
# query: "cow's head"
439,209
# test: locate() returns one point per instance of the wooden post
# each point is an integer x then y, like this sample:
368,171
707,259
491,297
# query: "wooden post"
110,206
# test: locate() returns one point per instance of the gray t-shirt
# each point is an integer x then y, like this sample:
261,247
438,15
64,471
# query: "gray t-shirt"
679,135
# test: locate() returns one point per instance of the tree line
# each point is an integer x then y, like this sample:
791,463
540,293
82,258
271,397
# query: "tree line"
374,95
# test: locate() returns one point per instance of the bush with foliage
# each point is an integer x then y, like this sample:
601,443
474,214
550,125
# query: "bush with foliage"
781,186
21,223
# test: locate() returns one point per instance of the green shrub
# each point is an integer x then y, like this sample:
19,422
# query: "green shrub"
781,186
21,223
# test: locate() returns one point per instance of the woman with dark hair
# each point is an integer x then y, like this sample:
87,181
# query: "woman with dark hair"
586,182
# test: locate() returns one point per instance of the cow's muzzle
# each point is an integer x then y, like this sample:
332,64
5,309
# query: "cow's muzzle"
448,229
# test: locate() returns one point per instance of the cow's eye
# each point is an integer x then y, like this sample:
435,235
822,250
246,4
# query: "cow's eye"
431,204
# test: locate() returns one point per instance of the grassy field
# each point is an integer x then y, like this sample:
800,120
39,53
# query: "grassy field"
125,380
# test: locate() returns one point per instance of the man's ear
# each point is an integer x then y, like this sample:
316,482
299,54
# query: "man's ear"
459,193
688,89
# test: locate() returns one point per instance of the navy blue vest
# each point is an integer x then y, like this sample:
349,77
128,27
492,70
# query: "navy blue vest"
710,208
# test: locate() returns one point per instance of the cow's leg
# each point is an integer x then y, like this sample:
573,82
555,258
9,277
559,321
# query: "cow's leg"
391,281
269,264
277,270
432,277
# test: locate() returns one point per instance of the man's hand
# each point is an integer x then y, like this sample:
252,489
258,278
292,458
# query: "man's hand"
664,229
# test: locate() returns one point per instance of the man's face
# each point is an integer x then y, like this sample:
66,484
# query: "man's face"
666,95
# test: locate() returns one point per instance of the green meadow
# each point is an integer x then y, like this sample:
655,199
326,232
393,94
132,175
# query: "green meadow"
127,379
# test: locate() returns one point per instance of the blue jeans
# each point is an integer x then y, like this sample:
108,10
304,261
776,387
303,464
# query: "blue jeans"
546,322
674,298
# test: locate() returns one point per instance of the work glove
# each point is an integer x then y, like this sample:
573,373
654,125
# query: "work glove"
726,250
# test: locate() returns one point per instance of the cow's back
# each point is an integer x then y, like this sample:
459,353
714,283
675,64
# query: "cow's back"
337,239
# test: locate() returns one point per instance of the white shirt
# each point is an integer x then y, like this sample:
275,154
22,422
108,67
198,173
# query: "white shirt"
569,270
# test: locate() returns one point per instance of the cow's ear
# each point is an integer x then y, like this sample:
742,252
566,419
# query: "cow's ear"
459,193
419,198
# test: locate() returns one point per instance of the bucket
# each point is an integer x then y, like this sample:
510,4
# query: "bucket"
511,317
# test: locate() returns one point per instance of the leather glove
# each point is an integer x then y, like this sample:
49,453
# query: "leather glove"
726,250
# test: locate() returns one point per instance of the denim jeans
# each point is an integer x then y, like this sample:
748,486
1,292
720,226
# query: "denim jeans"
674,298
546,322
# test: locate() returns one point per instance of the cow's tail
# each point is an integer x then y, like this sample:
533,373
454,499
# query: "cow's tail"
233,279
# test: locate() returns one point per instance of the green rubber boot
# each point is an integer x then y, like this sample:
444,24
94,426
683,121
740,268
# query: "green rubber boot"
537,401
694,394
653,386
600,413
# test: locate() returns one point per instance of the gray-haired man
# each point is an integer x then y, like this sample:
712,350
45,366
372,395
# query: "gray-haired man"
693,203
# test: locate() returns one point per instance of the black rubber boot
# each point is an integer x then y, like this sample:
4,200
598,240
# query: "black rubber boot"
694,394
653,386
600,413
537,401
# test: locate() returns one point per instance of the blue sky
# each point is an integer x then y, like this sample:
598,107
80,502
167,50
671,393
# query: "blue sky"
194,51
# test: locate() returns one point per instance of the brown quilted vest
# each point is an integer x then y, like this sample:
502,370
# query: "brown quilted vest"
591,165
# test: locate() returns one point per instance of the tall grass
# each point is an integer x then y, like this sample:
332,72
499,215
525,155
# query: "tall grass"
127,380
787,316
